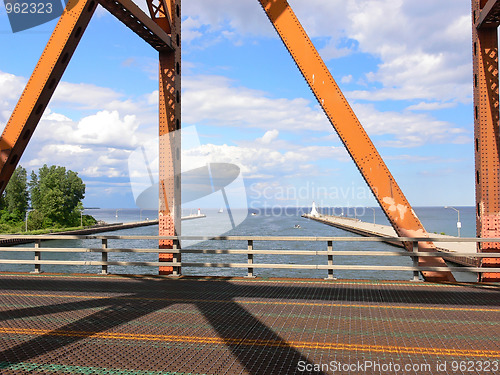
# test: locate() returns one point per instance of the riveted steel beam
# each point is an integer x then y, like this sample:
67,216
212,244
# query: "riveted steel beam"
158,32
358,144
486,129
167,14
160,11
42,84
139,22
488,15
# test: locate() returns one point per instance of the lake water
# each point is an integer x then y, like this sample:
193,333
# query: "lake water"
277,222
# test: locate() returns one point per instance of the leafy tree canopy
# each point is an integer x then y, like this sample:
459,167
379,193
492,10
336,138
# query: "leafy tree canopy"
15,198
56,198
56,194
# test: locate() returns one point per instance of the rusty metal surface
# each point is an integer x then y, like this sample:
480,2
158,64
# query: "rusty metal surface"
135,325
139,22
486,132
354,137
42,84
489,15
160,11
167,14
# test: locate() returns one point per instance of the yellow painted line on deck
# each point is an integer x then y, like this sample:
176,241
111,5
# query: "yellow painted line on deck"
180,300
250,342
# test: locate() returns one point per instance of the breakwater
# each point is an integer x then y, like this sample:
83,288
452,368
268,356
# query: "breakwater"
100,228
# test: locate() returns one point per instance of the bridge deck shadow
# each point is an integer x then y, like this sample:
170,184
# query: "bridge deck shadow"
204,326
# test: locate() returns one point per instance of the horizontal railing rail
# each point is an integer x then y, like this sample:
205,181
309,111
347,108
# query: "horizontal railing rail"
250,265
245,238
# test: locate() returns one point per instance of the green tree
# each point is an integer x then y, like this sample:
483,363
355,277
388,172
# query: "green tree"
34,191
15,199
55,194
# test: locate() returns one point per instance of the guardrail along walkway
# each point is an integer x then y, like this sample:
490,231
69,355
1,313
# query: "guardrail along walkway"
388,233
148,326
325,258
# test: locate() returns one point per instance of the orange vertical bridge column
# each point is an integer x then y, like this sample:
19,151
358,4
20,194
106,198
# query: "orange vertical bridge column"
486,19
162,32
167,14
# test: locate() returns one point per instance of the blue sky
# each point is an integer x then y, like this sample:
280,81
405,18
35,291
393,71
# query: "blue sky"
406,73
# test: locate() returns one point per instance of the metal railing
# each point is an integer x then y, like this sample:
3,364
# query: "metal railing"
328,254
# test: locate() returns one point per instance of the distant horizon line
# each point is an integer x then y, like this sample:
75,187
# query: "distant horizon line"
262,208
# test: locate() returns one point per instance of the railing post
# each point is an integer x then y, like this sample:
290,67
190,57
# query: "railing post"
415,261
330,261
177,258
104,256
37,257
250,259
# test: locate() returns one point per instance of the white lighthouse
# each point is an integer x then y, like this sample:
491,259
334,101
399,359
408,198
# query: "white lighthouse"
314,212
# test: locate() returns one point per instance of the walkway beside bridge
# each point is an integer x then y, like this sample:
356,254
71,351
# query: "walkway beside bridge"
387,232
88,324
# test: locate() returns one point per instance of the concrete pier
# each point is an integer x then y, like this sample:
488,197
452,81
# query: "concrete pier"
388,233
194,216
89,230
98,229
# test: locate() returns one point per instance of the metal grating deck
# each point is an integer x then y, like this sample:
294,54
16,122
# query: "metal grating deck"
147,326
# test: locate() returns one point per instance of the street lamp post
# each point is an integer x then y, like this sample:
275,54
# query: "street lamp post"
371,208
459,224
26,220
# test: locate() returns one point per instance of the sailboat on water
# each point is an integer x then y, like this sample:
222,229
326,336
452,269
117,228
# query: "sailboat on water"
221,210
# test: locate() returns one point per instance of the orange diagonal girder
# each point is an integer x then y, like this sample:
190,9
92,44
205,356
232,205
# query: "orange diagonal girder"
356,140
41,85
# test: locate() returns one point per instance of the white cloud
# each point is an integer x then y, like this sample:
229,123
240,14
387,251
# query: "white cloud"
422,57
153,99
408,129
266,162
216,101
105,128
95,145
433,159
98,144
346,79
53,153
84,95
11,87
333,51
48,115
424,106
419,75
87,161
99,171
270,136
245,16
189,29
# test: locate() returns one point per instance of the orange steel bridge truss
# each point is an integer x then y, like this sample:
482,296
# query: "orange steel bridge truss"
162,30
486,19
